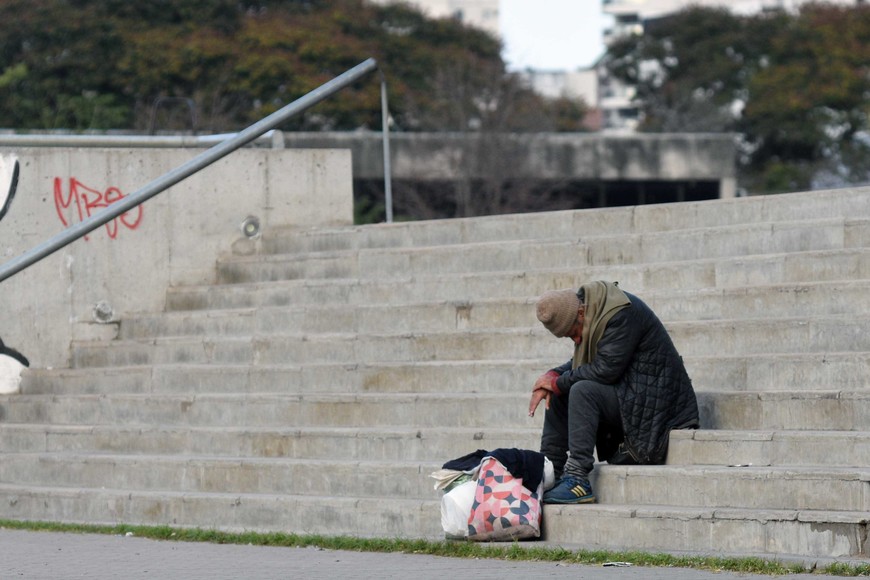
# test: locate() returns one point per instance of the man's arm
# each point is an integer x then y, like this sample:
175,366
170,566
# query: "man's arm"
615,351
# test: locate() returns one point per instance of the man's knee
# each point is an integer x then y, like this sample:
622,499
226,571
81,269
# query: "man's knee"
590,396
592,391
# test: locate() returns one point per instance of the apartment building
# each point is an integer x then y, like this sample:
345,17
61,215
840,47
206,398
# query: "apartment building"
483,14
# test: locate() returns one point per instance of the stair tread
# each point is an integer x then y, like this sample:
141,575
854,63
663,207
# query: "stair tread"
402,396
679,471
673,232
506,331
393,281
552,510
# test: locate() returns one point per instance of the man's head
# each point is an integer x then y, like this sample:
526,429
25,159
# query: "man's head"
562,313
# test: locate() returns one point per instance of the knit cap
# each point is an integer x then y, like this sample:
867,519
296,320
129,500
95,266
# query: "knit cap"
557,311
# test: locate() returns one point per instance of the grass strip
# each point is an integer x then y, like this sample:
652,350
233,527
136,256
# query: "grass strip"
503,551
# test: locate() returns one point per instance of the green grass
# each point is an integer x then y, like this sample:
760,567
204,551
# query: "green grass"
526,551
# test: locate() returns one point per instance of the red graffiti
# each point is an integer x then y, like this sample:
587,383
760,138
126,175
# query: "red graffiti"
88,201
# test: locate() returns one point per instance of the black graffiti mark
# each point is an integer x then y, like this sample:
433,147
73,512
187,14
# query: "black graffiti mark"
8,191
11,352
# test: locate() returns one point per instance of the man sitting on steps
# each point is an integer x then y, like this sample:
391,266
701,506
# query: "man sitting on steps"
622,393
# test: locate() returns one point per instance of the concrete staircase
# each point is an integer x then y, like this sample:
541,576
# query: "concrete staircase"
328,372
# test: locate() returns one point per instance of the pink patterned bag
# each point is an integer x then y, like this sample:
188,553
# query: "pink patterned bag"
503,510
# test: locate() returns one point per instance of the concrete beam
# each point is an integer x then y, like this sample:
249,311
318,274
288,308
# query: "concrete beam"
579,156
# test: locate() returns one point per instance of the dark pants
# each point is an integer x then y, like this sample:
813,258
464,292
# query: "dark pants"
576,422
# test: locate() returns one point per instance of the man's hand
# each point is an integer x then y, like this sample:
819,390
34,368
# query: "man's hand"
538,395
547,381
542,389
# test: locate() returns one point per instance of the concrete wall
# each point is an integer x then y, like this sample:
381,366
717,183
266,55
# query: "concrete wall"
81,291
577,156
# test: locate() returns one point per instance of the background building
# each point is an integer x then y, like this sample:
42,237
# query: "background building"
479,13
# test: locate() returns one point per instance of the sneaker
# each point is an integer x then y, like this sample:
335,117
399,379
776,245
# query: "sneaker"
570,489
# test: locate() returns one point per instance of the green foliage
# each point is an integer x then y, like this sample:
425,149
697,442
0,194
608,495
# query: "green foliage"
809,101
94,64
795,86
60,54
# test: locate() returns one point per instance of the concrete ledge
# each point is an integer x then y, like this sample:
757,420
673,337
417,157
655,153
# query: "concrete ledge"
844,372
655,277
710,531
235,512
399,444
769,447
801,410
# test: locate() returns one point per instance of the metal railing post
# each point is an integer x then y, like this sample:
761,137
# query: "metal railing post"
388,179
202,160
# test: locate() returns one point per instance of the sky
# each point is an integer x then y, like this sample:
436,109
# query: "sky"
552,34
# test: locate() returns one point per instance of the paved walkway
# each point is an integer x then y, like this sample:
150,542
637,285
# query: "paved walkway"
49,555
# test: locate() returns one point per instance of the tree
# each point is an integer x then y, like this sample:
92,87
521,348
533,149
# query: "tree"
115,64
794,86
104,63
53,62
806,111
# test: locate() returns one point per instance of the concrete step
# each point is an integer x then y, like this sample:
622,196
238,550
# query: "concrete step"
432,316
641,279
704,530
751,487
191,379
768,447
283,475
391,263
772,534
781,300
272,410
809,410
830,371
566,224
324,515
787,410
689,244
729,241
699,338
814,488
782,335
338,443
687,447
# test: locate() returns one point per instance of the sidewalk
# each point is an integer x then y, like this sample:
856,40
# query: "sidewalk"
50,555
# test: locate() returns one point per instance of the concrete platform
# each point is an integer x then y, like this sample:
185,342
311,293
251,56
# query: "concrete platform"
315,384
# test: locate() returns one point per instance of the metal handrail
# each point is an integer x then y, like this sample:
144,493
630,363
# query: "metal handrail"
199,162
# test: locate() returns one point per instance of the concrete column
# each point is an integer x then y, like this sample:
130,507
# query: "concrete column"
727,188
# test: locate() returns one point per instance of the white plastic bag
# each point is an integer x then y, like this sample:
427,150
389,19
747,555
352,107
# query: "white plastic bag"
10,374
455,509
549,475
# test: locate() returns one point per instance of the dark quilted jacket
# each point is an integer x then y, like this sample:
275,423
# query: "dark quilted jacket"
636,356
